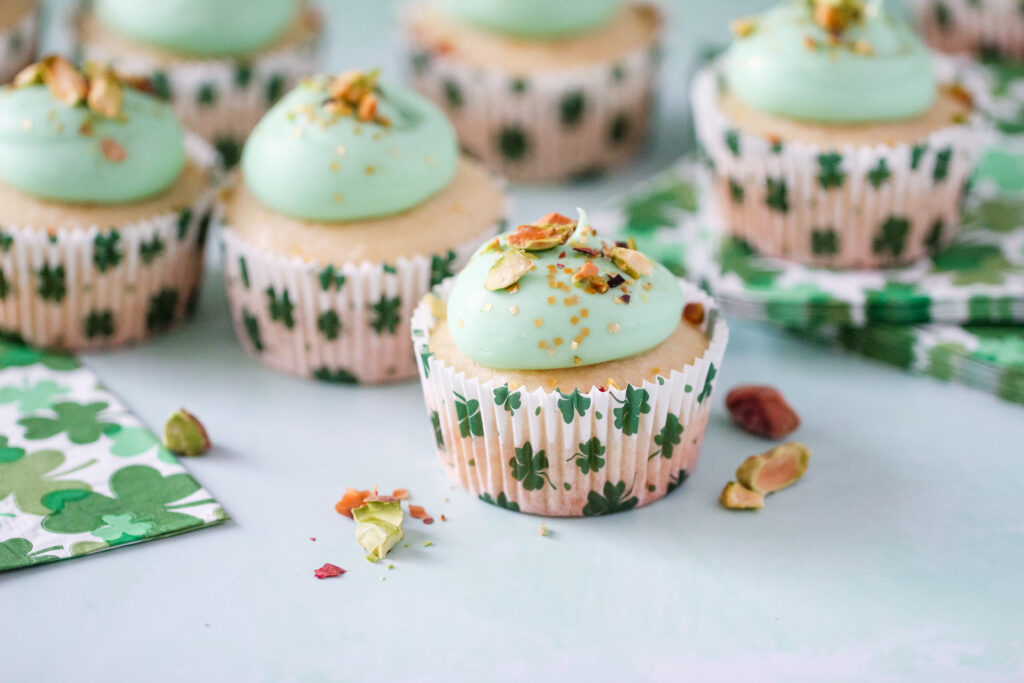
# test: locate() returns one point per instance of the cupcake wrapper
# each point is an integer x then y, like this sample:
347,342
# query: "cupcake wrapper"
582,454
994,27
346,323
220,99
850,207
552,125
19,46
86,287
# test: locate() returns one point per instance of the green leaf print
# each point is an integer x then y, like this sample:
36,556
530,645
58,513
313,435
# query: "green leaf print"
468,415
677,481
19,356
252,330
5,286
893,237
830,173
161,311
501,501
30,478
529,468
573,108
507,399
732,142
99,324
131,441
329,325
386,314
338,376
149,251
943,360
879,175
669,437
52,283
916,154
31,398
777,195
589,457
613,500
999,215
736,192
513,143
942,160
659,209
973,263
80,422
281,308
184,220
18,552
572,404
824,242
441,267
106,250
627,415
161,85
737,256
122,529
705,393
331,277
435,422
275,88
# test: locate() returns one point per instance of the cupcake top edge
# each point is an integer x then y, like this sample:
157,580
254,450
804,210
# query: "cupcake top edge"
552,295
86,136
200,27
349,147
532,19
831,61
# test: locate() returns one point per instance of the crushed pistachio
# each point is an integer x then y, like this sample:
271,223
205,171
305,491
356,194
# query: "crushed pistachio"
741,28
112,150
614,328
97,87
513,310
835,16
631,262
510,267
185,434
356,93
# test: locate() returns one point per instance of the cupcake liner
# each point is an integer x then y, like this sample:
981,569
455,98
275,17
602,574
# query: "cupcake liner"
19,45
84,287
345,323
581,454
551,125
848,207
221,99
992,27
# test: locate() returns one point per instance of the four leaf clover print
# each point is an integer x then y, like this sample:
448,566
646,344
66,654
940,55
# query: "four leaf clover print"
530,468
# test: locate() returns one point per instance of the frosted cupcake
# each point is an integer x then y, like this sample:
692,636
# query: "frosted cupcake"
993,28
19,36
352,201
565,375
104,206
835,138
541,91
222,63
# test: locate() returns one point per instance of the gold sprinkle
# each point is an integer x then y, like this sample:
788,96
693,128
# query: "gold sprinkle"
459,323
52,114
584,312
394,152
370,170
358,130
571,300
486,308
574,345
339,197
551,301
863,47
644,297
585,332
810,43
341,150
513,310
376,137
431,161
611,384
574,320
741,28
538,322
576,360
655,371
542,344
614,328
26,124
558,341
335,166
647,286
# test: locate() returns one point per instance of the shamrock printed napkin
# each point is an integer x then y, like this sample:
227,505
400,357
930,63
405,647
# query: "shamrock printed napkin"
78,472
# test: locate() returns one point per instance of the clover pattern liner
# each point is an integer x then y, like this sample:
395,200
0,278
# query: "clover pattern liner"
991,27
18,46
78,472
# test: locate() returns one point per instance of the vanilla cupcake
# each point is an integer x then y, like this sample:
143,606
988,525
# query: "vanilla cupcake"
221,63
541,91
351,202
104,208
19,36
567,376
992,28
835,138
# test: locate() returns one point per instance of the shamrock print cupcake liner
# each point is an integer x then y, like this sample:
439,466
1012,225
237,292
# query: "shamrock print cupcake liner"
552,125
581,454
19,45
991,27
851,207
84,287
220,99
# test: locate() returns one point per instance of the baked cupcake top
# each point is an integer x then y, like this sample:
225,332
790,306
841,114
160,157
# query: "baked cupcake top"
86,136
206,28
537,19
833,61
343,148
553,295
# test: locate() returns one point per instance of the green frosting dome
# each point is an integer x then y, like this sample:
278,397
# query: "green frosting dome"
314,157
533,18
548,320
72,154
874,69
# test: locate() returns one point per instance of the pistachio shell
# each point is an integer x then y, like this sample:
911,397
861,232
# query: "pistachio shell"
105,95
738,497
185,435
541,237
508,270
65,81
773,471
631,262
438,308
30,75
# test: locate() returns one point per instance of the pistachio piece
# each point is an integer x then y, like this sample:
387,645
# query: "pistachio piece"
105,94
65,81
184,434
590,275
741,28
378,526
112,150
631,262
438,308
738,497
773,471
836,15
30,75
510,267
693,313
538,237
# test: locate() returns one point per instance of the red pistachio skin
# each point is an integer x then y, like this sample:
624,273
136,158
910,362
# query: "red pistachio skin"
762,411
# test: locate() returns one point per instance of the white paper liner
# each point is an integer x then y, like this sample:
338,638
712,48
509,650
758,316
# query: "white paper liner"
892,224
19,45
521,134
481,462
221,99
106,302
963,26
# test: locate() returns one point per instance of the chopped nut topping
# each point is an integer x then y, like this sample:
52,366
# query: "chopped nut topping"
693,313
863,47
836,15
589,275
551,231
513,310
741,28
510,267
112,150
614,328
632,262
356,93
100,88
961,95
105,94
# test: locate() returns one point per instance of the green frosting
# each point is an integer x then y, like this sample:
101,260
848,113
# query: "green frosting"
210,28
775,70
499,329
306,162
538,19
45,151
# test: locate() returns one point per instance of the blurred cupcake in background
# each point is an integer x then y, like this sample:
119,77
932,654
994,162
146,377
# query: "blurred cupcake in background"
104,207
351,201
221,63
19,36
540,91
835,138
989,28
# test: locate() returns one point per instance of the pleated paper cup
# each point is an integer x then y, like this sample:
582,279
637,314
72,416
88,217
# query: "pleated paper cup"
221,99
86,287
990,27
581,454
551,125
839,207
19,45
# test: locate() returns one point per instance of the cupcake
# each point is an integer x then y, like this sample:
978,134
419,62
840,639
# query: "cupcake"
835,138
993,28
19,36
221,63
104,204
567,376
351,201
540,91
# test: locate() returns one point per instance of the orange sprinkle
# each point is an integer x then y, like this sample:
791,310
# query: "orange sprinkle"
584,312
443,518
350,501
551,301
571,300
400,494
419,512
538,322
558,341
574,320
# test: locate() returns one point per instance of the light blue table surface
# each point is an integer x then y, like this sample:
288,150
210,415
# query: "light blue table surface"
899,557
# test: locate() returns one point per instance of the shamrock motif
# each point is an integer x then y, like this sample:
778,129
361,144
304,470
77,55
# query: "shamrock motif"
572,404
831,173
106,250
705,393
941,364
329,324
6,240
618,129
425,357
879,175
893,237
589,456
452,93
206,95
468,414
635,404
17,552
529,468
5,286
1000,215
501,501
435,421
732,142
386,314
916,154
131,441
149,251
974,263
671,436
32,398
507,399
825,242
18,356
573,106
613,500
138,491
338,376
121,529
243,272
80,422
161,310
252,329
657,209
777,195
99,324
441,267
737,256
275,88
230,149
942,159
676,481
934,238
331,277
736,192
513,143
895,296
161,85
28,477
281,307
1005,350
52,283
